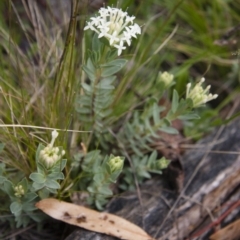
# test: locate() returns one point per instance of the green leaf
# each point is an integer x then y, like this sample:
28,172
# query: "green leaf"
109,71
38,186
90,73
152,158
62,164
155,171
105,190
98,177
56,175
84,110
37,177
117,62
87,88
28,197
100,85
169,130
143,173
52,184
28,207
44,193
16,208
96,43
108,80
175,101
24,184
156,113
40,168
2,179
189,116
8,188
40,147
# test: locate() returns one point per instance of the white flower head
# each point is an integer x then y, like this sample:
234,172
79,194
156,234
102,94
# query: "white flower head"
50,155
198,94
116,26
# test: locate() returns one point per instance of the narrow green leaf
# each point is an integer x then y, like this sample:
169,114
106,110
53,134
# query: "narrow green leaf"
175,101
152,158
156,114
117,62
40,147
40,168
89,73
96,43
8,188
108,80
87,87
109,71
62,163
24,184
169,130
189,116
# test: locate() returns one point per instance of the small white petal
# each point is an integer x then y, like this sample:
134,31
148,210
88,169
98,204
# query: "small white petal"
120,47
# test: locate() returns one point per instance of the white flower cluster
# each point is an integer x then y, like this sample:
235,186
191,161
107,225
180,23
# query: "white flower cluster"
19,191
199,95
116,26
51,155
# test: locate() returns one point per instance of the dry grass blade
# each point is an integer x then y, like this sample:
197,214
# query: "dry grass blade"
92,220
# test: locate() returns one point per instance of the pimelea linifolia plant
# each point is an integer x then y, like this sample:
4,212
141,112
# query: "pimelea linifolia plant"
91,170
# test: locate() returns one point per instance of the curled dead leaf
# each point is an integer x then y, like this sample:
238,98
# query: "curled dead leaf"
92,220
231,231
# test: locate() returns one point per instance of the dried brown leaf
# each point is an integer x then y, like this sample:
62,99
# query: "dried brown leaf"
231,231
92,220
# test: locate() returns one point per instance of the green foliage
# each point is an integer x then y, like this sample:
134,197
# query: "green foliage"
142,167
98,174
140,131
23,201
94,104
123,108
46,179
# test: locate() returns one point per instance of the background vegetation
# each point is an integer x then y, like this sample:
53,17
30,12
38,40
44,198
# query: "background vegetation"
42,50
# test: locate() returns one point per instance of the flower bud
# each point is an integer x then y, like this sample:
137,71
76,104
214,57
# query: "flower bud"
19,191
116,164
162,163
54,136
166,78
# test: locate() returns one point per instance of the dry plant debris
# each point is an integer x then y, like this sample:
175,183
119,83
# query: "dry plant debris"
92,220
232,231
